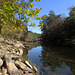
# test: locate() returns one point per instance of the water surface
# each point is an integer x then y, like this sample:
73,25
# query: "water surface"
53,60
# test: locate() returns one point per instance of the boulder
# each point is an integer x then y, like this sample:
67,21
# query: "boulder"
1,73
20,51
28,64
27,46
1,39
21,72
19,45
10,43
2,53
35,69
22,66
1,62
4,70
31,66
12,56
11,68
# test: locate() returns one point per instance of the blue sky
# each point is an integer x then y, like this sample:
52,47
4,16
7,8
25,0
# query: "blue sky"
58,6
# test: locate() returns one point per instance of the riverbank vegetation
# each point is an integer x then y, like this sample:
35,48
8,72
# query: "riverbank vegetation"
21,34
32,36
14,18
57,28
18,33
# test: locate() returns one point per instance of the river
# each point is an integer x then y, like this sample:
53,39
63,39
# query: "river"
52,59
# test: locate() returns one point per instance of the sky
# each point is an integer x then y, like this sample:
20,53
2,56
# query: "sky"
58,6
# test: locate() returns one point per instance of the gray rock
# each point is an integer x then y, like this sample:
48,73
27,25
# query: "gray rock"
10,42
6,74
22,66
31,66
27,46
1,74
20,51
30,74
4,70
11,68
21,72
1,62
12,56
30,71
18,44
28,64
1,39
2,53
35,69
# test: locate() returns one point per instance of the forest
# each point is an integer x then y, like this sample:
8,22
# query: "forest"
57,28
14,18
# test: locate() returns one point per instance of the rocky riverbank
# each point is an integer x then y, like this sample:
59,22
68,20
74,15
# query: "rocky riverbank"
10,59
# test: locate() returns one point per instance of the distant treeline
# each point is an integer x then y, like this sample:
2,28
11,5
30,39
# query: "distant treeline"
21,34
58,28
32,36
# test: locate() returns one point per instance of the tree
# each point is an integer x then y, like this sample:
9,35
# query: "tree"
57,29
52,27
72,11
24,9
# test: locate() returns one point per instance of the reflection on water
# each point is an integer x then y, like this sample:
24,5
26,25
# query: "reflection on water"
53,60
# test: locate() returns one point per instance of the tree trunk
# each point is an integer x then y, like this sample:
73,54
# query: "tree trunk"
0,28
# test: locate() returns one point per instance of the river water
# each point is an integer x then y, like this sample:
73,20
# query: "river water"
52,59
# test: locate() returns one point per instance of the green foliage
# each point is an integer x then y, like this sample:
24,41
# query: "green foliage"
32,36
8,22
56,28
24,9
69,27
13,33
72,11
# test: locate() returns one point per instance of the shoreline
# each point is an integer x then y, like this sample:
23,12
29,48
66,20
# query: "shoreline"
11,52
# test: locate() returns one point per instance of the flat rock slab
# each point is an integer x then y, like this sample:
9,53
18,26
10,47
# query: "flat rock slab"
1,39
1,62
22,66
12,55
11,68
19,45
4,71
2,53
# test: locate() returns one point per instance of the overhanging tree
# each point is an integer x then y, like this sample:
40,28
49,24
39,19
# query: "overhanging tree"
23,8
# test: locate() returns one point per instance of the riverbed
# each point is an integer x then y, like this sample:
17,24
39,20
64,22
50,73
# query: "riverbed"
52,60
